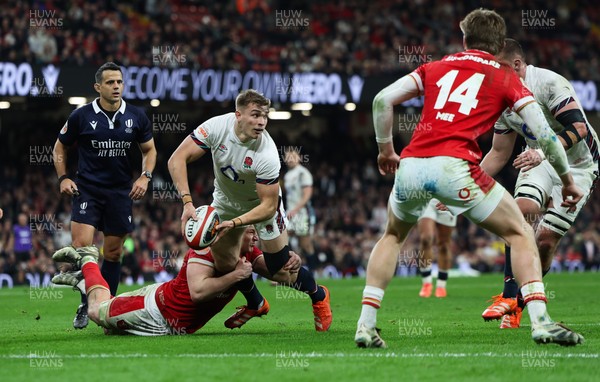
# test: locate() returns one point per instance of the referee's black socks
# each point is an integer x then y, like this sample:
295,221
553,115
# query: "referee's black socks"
111,272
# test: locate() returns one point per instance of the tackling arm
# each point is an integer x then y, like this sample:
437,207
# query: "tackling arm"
203,284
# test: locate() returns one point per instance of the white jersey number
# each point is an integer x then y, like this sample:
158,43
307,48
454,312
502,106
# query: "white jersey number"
465,94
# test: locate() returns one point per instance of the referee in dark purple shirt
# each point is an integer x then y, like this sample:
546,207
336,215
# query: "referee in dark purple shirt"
103,190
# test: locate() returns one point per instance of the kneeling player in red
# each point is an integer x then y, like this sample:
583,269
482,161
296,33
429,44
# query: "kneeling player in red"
180,306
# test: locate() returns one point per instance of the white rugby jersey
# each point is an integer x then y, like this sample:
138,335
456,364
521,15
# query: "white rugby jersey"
237,166
552,91
294,181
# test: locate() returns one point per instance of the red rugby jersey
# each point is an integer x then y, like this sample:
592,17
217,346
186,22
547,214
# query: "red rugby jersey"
465,93
175,303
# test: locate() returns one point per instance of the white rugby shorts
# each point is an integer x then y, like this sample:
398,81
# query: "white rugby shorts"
462,186
441,217
541,184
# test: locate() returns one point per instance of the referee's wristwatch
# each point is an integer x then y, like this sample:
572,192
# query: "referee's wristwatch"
147,174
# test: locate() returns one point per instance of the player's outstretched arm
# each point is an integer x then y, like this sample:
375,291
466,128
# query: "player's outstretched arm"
187,152
533,116
499,154
203,284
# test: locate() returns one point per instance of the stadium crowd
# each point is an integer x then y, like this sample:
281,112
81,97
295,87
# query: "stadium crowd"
350,36
349,200
368,38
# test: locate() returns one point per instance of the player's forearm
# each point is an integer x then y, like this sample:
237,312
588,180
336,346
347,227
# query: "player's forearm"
493,162
149,159
265,210
211,287
383,106
59,157
534,118
383,118
306,195
178,171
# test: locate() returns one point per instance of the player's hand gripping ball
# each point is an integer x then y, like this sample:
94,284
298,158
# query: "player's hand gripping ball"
201,233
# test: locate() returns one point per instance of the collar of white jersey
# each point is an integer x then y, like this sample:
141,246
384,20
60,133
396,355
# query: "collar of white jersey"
97,108
528,73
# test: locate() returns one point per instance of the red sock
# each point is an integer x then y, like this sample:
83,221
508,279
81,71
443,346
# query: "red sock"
93,277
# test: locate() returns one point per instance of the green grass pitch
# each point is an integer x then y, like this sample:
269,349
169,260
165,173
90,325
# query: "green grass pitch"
429,339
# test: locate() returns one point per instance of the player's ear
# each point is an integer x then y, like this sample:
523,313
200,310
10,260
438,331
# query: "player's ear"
97,87
517,64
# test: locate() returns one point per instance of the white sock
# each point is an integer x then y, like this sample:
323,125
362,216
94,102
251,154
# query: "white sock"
81,286
535,300
426,279
440,283
371,302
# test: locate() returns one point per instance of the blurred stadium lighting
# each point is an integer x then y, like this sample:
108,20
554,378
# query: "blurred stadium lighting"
303,106
350,106
77,100
154,103
280,115
4,105
306,113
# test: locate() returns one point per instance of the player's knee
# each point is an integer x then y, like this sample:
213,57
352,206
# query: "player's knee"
113,254
546,245
426,241
275,261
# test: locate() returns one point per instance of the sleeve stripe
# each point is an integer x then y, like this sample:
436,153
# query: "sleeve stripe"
562,104
201,261
202,145
267,181
417,80
522,103
503,131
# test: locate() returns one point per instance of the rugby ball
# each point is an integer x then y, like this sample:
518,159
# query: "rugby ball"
201,233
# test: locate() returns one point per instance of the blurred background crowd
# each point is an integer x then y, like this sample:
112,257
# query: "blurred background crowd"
341,36
349,199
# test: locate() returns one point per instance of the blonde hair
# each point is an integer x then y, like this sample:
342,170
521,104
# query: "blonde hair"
485,30
249,96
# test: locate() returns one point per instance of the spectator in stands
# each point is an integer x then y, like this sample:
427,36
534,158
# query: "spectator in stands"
22,239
